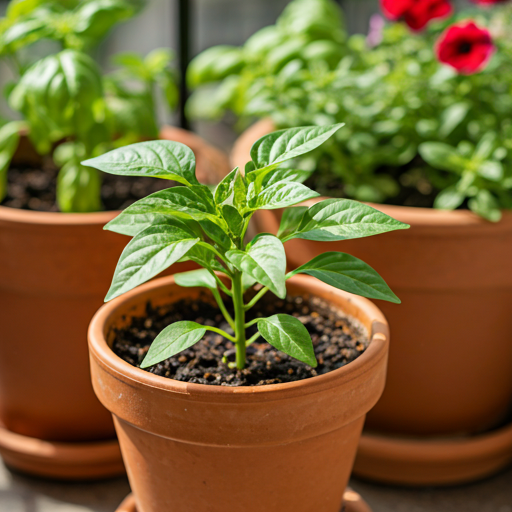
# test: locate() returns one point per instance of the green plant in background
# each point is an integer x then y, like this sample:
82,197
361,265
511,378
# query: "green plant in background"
401,106
308,33
68,107
191,222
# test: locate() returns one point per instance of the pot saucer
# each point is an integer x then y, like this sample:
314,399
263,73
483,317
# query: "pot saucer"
417,462
64,461
353,503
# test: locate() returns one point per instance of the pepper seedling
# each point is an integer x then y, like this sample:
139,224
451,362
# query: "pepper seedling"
190,222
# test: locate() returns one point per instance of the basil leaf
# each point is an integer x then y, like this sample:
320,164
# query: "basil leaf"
289,335
172,340
485,205
449,199
283,145
264,261
164,159
78,189
149,253
195,278
442,156
9,140
348,273
343,219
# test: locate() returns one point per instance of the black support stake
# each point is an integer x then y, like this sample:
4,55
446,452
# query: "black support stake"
184,55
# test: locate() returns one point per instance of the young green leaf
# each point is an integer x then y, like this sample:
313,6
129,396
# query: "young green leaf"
342,219
78,189
348,273
172,340
283,145
281,195
149,253
158,159
485,205
195,278
288,334
264,261
225,188
290,221
233,219
9,139
449,199
442,156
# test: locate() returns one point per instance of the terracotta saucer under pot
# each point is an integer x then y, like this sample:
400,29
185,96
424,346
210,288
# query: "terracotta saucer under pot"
64,461
352,503
435,461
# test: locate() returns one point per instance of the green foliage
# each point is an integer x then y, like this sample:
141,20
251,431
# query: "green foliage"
191,222
64,96
416,133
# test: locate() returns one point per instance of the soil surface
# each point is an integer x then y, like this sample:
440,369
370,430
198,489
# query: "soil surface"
34,188
337,339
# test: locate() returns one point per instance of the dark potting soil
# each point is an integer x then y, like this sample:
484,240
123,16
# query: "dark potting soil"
337,339
34,188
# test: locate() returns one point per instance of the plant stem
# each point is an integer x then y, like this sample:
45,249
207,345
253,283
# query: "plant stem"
223,309
238,302
252,339
221,332
256,298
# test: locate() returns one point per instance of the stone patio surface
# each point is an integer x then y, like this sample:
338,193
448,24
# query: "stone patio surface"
20,493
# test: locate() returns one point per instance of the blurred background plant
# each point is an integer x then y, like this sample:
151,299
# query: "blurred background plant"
420,132
69,109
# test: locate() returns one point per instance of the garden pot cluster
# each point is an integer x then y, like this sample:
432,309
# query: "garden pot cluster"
54,271
449,385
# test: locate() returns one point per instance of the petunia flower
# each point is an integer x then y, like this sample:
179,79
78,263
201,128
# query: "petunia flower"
416,13
465,47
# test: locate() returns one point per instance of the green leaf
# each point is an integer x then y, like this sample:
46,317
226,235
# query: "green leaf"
239,191
195,278
9,139
233,219
491,170
343,219
280,146
149,253
442,156
158,159
264,261
131,225
485,205
57,96
225,187
214,64
348,273
290,221
288,334
172,340
452,117
449,199
281,195
78,189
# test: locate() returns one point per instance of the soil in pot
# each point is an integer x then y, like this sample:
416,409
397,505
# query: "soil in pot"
337,339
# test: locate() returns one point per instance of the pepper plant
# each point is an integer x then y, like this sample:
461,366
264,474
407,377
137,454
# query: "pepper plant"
192,222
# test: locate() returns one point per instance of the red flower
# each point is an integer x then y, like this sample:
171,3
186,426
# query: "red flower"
466,47
416,13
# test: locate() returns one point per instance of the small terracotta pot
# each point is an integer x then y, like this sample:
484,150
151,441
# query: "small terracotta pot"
450,368
222,449
54,272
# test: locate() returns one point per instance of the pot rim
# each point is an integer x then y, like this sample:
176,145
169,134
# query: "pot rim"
416,215
376,351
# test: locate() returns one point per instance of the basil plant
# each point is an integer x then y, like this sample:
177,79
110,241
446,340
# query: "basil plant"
65,97
192,222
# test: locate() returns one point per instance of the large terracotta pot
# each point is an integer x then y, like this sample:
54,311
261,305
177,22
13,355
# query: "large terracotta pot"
54,272
222,449
450,368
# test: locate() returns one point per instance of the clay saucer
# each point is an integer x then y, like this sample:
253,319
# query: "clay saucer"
353,503
448,461
63,461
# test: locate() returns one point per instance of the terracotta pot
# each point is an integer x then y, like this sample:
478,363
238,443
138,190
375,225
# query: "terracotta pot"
450,368
273,448
54,272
